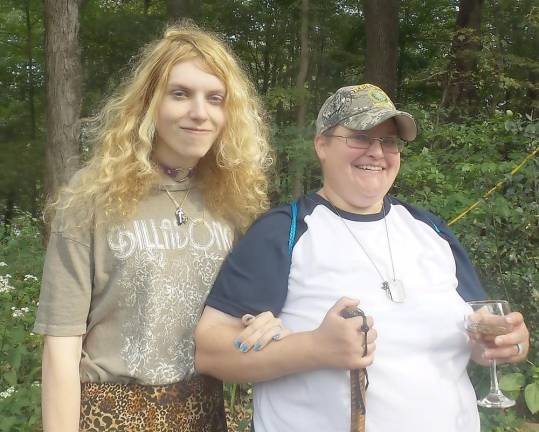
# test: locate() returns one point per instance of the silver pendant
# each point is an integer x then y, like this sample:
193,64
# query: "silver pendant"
181,217
394,290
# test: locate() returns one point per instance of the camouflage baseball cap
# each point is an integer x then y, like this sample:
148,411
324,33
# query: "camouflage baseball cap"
362,107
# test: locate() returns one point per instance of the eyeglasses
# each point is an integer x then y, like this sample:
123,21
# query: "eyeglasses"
389,144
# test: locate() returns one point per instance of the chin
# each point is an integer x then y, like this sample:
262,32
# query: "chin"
374,203
193,156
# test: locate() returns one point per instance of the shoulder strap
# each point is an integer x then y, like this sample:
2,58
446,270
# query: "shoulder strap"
293,226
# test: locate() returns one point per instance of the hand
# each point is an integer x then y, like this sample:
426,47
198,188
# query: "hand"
504,348
339,340
260,331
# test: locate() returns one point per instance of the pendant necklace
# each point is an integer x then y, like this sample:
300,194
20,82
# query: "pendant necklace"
179,213
394,288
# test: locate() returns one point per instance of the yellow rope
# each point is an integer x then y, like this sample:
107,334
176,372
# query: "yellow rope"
496,187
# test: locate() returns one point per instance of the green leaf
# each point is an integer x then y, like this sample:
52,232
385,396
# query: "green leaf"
244,424
6,423
15,357
11,377
531,396
512,381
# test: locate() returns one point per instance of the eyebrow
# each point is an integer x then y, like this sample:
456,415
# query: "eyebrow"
178,86
361,133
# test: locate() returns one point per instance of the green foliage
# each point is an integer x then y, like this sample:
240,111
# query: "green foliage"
499,421
111,35
449,168
293,144
22,108
238,406
514,383
21,260
531,394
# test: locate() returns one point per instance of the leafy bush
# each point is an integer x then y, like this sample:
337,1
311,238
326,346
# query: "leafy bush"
21,261
448,169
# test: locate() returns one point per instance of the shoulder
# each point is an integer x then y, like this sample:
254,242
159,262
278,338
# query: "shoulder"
286,221
71,216
469,286
421,214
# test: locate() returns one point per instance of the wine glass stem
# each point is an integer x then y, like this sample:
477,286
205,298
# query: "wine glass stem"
494,388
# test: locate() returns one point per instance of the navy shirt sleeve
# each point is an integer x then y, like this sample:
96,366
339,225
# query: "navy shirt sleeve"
469,286
254,276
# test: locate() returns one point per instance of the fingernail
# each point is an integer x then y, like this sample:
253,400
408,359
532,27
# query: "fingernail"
244,347
498,340
276,337
237,344
257,346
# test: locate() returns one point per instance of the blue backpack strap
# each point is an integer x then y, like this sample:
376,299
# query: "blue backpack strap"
293,226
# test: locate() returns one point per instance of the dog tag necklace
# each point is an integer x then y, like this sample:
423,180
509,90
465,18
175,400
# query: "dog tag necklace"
394,288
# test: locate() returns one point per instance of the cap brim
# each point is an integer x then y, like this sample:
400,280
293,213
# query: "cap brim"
406,125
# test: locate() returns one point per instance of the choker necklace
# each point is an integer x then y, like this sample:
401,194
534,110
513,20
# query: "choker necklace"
180,215
394,288
173,172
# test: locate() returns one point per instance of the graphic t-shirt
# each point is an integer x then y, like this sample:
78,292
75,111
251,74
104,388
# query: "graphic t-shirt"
135,290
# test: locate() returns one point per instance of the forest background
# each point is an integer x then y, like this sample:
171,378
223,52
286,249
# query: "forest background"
468,70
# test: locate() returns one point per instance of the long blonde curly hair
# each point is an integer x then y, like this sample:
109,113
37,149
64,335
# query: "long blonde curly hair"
232,176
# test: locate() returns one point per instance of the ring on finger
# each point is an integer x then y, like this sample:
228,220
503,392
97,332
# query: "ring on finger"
247,318
520,348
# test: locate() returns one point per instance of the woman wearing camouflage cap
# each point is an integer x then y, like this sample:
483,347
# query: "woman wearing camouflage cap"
353,241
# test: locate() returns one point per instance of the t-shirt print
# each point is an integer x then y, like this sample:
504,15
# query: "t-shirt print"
164,291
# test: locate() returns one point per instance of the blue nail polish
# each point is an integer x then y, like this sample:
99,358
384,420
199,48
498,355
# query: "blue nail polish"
237,343
244,347
257,346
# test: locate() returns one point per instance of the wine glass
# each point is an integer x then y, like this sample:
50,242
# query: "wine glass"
484,324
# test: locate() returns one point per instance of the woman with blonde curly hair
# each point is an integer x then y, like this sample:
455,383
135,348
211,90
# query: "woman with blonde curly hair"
179,166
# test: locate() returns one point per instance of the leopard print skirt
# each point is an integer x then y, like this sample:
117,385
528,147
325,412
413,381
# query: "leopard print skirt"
195,405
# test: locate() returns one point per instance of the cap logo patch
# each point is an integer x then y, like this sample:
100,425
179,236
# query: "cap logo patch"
360,87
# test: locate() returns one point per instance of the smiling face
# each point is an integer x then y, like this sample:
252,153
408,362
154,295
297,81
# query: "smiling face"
356,180
190,116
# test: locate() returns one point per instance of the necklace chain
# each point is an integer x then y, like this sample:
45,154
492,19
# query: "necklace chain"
385,284
388,242
179,213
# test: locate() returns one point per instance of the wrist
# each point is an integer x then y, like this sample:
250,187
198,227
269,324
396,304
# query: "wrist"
315,350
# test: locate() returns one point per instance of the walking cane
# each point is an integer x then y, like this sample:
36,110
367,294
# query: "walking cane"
359,380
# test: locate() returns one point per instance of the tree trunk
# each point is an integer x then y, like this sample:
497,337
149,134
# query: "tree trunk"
465,48
382,33
30,73
298,163
63,88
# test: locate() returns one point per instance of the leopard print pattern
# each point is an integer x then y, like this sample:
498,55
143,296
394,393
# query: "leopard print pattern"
195,405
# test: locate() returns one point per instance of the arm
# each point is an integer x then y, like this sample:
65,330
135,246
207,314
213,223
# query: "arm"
335,344
61,383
